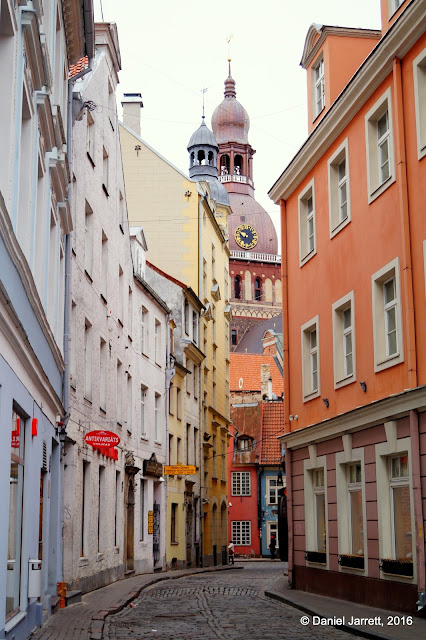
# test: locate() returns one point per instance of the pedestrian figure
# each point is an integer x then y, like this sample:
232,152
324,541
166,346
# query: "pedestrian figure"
272,546
231,552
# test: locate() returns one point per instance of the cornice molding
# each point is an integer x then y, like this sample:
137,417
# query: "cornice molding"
311,50
359,419
378,65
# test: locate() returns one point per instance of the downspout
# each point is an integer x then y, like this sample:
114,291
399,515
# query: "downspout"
284,281
404,206
289,483
201,396
410,322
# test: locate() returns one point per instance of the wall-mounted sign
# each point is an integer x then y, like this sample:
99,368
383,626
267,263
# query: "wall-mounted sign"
180,470
102,438
152,468
150,522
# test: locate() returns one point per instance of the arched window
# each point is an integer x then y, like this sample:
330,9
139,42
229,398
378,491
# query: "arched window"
257,289
224,164
234,338
192,159
201,156
238,165
237,287
211,158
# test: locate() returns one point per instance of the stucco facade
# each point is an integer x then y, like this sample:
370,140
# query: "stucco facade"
353,309
114,499
34,223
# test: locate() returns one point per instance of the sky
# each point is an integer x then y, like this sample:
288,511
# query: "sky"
173,49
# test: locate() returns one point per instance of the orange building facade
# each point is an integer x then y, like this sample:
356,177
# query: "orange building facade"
354,262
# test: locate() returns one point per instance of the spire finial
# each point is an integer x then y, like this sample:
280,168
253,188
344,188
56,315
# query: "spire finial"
228,40
203,91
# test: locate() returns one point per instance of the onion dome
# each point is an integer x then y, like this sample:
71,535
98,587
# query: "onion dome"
230,121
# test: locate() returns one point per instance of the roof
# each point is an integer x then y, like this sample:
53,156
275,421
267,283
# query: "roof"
78,67
251,342
272,427
247,367
246,210
202,136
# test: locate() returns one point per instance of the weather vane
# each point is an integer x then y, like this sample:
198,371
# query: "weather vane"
228,40
203,91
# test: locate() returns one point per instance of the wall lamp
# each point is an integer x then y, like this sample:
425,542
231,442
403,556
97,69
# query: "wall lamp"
293,417
363,386
326,402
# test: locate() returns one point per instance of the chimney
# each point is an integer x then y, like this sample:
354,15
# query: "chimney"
265,374
132,104
270,388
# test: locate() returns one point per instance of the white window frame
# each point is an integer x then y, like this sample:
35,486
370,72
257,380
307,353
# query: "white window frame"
341,377
269,488
241,483
344,459
335,186
384,452
419,74
272,527
318,83
305,216
309,392
394,6
142,417
395,483
375,185
144,317
381,358
312,464
157,342
241,530
157,411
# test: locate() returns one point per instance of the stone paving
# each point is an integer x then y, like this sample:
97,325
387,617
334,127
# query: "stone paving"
224,605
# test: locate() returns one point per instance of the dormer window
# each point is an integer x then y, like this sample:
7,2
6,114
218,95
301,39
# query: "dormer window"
244,443
319,87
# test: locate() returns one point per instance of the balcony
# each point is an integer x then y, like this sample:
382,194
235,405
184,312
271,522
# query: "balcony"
257,257
235,178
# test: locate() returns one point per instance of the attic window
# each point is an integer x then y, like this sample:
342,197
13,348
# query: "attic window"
244,443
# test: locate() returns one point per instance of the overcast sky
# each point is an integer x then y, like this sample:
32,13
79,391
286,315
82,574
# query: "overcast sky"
172,49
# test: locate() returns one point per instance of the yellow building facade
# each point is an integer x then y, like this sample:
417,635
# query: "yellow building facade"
185,225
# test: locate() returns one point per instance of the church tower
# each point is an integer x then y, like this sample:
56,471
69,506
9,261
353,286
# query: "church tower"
255,266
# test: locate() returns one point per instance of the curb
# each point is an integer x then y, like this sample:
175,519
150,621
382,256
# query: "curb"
98,619
276,595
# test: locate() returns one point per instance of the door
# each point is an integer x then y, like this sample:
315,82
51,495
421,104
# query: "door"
130,527
156,533
189,536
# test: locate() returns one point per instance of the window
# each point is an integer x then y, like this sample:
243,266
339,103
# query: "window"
142,511
240,483
143,426
257,289
310,359
355,509
16,491
394,6
186,316
241,532
85,510
401,508
117,508
344,341
387,321
129,403
120,295
105,172
319,506
234,339
173,523
318,86
103,363
144,318
419,72
307,224
178,403
204,279
91,138
213,262
157,342
244,443
338,189
157,418
88,239
194,328
272,491
119,392
88,360
379,146
179,451
101,508
237,287
104,266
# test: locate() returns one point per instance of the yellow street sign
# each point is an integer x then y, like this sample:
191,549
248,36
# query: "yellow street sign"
150,522
180,470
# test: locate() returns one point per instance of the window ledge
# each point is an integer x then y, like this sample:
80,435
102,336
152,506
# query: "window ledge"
308,257
105,190
88,401
344,381
175,544
144,437
88,276
84,562
14,621
116,550
99,557
397,358
311,396
339,227
381,189
92,162
102,410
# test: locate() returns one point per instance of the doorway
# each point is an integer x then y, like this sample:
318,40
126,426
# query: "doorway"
130,527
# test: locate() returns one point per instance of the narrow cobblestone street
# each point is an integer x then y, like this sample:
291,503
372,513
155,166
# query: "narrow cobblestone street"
226,605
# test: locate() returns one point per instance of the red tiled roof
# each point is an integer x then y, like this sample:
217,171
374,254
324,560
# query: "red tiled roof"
247,367
272,427
75,69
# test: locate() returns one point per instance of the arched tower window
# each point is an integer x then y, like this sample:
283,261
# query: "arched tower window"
237,287
257,289
224,164
201,157
211,158
238,165
192,159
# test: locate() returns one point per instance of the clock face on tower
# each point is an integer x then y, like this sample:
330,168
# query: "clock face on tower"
246,236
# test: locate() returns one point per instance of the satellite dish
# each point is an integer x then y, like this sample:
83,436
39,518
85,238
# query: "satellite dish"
240,383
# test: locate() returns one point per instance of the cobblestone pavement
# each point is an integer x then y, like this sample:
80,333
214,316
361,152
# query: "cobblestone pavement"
225,605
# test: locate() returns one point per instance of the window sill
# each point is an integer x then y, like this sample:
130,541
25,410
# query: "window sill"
316,557
144,437
174,544
84,562
104,300
116,550
308,257
92,162
344,381
311,396
88,401
99,557
14,621
105,190
318,115
389,362
88,276
381,189
102,410
339,227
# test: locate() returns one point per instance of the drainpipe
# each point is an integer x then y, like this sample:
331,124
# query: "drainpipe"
284,281
201,396
289,483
